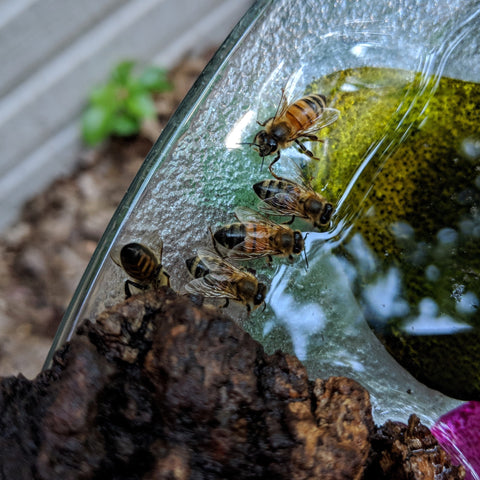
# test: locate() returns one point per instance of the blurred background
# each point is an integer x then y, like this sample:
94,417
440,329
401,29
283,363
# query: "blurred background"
57,193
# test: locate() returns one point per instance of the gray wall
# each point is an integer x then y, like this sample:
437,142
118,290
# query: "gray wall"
52,52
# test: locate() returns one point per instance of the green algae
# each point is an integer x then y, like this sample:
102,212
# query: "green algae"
402,164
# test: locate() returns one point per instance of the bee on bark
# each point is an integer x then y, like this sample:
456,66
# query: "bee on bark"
255,236
292,123
143,266
215,277
295,198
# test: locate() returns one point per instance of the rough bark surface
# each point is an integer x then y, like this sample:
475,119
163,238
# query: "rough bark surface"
410,452
161,388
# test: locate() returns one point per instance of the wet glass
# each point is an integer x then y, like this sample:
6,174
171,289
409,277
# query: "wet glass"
199,171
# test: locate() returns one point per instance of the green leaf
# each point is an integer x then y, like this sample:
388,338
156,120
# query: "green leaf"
154,79
96,125
124,125
105,97
140,105
120,106
122,73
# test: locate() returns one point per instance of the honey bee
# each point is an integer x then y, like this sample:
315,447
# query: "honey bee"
283,196
215,277
256,236
141,264
292,123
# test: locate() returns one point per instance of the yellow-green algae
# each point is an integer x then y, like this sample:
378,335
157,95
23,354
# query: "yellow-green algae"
402,163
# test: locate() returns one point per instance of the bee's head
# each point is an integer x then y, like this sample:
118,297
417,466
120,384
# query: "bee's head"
266,144
260,295
319,211
298,242
327,213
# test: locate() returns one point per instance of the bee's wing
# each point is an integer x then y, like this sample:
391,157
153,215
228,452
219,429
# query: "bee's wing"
282,106
282,203
115,254
326,118
293,174
205,287
261,239
248,215
262,249
288,92
213,286
216,264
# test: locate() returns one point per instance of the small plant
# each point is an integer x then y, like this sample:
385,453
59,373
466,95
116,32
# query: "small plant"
120,106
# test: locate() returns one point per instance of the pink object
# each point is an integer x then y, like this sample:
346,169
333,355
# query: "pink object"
458,432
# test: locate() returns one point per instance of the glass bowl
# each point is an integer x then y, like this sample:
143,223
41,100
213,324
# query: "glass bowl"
198,172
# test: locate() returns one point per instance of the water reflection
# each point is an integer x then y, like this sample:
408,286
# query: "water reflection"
430,322
301,319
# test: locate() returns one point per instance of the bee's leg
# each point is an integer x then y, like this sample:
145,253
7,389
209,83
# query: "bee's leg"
162,278
305,150
289,221
128,292
167,276
227,301
275,160
262,124
249,309
268,260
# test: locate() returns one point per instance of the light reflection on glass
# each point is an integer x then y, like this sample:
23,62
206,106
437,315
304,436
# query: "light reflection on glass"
235,135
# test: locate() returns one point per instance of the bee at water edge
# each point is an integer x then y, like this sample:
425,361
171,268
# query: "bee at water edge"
256,236
292,123
143,266
216,277
282,196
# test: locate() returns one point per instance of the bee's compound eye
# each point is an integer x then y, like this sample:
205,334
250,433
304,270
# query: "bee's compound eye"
261,294
298,242
325,218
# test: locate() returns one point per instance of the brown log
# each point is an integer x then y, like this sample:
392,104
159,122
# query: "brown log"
162,388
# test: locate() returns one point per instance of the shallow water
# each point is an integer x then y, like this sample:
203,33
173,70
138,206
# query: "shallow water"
408,193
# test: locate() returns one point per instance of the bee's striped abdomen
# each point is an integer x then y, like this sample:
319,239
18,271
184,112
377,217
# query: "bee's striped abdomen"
234,234
304,112
270,188
267,188
230,235
251,244
196,267
138,261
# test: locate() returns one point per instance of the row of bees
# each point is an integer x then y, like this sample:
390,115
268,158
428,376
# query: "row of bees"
215,271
